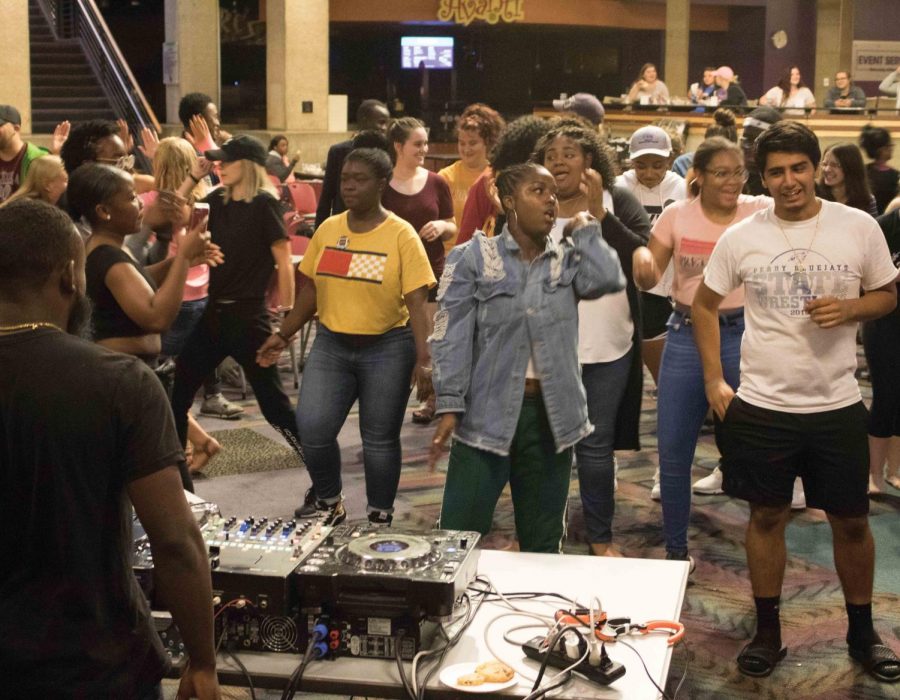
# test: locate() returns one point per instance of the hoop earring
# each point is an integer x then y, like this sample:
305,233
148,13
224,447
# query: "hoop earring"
512,216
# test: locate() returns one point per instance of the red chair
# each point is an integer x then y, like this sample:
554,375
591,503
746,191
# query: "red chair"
303,196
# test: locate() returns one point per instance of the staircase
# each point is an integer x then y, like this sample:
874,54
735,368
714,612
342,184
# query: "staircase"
63,85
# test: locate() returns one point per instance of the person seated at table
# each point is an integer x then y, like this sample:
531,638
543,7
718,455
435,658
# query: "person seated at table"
46,179
844,95
883,179
648,89
368,280
891,85
477,131
790,95
843,178
277,161
729,92
505,354
701,92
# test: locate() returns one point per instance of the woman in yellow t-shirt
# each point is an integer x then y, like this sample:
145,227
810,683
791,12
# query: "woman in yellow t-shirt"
477,130
367,276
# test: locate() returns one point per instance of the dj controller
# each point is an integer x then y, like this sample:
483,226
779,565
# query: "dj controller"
275,579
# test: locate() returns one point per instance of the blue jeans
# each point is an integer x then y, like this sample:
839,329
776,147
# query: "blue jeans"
681,407
604,384
340,370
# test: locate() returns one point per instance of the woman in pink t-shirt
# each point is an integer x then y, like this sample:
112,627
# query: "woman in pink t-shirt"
172,163
686,233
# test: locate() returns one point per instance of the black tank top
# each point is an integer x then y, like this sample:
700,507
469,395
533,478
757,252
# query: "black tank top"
108,319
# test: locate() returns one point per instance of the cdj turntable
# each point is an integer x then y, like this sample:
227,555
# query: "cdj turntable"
374,586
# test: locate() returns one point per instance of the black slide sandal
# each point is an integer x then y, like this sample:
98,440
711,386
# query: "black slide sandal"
758,660
879,661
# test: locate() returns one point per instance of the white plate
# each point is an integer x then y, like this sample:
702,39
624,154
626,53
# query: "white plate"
451,673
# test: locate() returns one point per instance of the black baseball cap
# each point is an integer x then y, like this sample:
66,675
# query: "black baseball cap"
240,147
10,114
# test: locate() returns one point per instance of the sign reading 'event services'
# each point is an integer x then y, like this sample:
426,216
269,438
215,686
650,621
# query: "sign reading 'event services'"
491,11
873,60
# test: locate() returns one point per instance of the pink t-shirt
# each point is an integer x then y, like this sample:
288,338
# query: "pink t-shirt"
197,285
684,228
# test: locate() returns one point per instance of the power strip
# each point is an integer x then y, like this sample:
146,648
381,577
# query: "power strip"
604,674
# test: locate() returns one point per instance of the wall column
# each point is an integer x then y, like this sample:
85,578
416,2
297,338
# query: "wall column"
194,28
15,60
297,65
678,34
834,42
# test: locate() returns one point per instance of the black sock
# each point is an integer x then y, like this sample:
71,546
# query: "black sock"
861,633
768,621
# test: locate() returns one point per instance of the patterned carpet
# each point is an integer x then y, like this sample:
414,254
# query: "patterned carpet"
718,607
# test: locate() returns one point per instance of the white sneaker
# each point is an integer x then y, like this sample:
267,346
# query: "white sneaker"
798,500
711,484
655,493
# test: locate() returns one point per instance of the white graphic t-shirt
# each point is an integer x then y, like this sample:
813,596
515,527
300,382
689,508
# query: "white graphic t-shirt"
654,199
605,327
789,363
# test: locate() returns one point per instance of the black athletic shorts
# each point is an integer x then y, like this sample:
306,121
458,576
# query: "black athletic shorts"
763,451
655,312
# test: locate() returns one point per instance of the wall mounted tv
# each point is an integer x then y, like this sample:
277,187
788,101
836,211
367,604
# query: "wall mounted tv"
434,52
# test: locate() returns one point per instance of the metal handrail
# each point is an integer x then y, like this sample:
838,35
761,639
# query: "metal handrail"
112,71
59,16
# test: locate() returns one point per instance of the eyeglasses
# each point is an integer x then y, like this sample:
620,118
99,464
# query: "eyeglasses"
124,163
741,174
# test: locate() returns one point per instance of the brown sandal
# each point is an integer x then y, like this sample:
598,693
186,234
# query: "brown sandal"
203,455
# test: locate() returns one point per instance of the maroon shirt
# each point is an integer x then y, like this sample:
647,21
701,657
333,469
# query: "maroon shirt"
432,202
9,174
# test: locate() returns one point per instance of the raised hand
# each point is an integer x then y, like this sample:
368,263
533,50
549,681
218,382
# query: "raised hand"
149,142
60,134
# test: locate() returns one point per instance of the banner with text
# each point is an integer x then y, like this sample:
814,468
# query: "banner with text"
873,60
491,11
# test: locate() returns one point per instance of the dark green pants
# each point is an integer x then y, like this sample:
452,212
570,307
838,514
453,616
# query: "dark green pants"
537,475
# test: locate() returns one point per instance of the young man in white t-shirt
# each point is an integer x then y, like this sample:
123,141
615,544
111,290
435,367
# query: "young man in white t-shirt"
798,411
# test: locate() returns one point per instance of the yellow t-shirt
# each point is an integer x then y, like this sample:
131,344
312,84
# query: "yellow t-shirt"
361,278
460,178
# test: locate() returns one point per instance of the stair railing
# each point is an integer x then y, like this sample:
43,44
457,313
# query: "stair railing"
81,20
60,16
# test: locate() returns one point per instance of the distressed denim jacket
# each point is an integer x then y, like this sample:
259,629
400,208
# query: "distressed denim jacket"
496,310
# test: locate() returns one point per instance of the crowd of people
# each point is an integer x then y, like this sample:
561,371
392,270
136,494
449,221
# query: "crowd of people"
521,291
721,87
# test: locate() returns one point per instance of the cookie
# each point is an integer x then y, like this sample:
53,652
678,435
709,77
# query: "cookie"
470,679
495,671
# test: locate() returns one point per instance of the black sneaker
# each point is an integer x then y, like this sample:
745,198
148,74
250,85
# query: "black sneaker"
313,508
379,517
676,556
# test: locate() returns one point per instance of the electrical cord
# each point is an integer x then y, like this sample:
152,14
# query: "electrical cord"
665,696
294,681
244,670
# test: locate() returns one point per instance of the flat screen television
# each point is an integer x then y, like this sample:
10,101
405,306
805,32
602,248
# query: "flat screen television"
433,51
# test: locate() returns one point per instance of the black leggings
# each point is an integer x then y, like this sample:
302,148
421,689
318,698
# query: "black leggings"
881,341
237,329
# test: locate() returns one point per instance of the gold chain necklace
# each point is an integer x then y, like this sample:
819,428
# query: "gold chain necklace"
798,279
31,326
791,247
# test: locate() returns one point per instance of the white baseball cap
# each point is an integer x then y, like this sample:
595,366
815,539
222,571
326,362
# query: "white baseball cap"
649,140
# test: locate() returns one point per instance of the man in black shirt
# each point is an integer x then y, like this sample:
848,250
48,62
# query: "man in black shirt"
86,433
371,115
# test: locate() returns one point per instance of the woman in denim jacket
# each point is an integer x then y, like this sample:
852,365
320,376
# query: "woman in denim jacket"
505,360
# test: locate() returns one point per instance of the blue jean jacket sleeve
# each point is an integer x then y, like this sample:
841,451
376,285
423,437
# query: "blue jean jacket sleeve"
597,267
453,339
